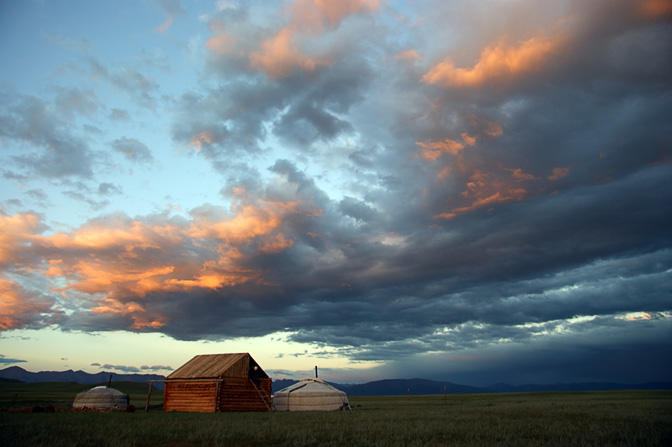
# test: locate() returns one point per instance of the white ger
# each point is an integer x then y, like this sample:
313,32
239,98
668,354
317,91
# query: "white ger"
310,394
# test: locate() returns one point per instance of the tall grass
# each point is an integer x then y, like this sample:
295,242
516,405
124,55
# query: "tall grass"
621,418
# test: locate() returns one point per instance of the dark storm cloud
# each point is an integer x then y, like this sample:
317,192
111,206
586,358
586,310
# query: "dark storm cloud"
569,220
620,351
315,113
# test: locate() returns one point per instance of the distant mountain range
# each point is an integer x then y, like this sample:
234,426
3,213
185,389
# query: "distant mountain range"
415,387
388,387
20,374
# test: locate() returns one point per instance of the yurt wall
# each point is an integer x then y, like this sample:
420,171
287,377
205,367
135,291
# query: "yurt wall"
101,397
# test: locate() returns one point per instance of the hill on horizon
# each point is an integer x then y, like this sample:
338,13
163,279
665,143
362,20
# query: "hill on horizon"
418,387
385,387
81,377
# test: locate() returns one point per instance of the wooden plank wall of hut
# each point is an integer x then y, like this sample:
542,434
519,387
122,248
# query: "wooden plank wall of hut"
241,395
238,369
181,396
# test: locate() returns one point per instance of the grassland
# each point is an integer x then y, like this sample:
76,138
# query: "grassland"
61,395
618,418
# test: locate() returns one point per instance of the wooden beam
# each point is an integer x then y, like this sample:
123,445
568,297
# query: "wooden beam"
214,410
149,393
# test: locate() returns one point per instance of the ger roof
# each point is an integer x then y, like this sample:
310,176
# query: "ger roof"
208,366
310,385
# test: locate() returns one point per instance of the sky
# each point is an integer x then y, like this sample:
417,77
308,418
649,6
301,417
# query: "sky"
468,191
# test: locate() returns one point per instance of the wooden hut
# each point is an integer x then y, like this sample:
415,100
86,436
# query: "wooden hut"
218,382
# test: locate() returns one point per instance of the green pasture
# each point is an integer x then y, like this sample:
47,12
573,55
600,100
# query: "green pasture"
61,395
615,418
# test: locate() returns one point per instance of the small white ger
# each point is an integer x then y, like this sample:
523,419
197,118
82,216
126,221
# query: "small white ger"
310,394
101,397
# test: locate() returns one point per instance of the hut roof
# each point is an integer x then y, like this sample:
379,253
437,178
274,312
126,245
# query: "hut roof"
214,366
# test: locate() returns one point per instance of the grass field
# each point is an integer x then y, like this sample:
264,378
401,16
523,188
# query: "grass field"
61,395
618,418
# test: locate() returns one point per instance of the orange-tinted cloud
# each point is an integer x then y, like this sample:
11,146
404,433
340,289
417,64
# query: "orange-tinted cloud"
432,150
492,129
468,139
110,266
222,42
134,259
202,137
312,15
276,244
655,9
250,221
498,62
15,232
520,175
486,189
408,56
170,18
279,56
558,173
19,308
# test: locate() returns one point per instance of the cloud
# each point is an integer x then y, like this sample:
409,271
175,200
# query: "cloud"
472,190
132,369
314,15
558,173
142,89
222,42
279,56
119,115
408,56
133,149
497,63
9,361
435,149
24,309
655,9
106,188
123,368
156,368
285,52
54,149
172,8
